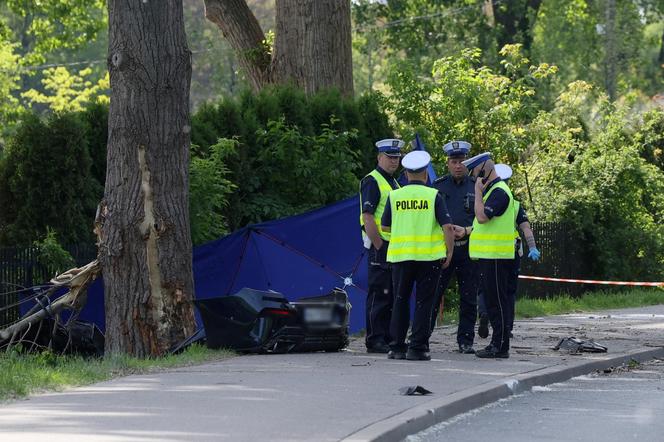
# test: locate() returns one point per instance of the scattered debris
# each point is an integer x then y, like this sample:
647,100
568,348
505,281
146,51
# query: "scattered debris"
413,390
575,345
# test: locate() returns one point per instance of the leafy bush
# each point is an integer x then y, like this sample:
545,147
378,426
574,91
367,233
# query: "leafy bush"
46,180
52,256
208,193
286,142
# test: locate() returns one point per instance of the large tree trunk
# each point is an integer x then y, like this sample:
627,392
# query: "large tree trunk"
145,244
312,46
516,19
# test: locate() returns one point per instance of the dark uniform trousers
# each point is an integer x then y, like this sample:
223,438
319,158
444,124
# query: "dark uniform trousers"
511,290
379,298
466,273
495,277
512,287
425,276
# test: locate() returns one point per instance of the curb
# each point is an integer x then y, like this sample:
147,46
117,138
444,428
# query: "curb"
421,417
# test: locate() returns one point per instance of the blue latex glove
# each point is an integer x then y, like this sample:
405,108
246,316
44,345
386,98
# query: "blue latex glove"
534,254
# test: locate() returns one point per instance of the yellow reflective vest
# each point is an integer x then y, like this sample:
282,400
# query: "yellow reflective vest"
495,238
385,190
416,234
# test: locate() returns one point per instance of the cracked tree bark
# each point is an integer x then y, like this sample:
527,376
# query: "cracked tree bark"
312,43
143,222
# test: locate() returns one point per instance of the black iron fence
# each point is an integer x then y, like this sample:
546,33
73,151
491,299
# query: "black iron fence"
20,269
562,257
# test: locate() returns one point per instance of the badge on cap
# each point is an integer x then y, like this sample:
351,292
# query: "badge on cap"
390,146
457,148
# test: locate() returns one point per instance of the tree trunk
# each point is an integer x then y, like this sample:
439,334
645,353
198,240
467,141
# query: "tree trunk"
517,20
244,34
661,53
610,56
143,221
312,45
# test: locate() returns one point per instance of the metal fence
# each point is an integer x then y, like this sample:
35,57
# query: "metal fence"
562,257
20,269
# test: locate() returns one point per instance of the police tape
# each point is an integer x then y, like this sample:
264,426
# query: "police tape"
593,281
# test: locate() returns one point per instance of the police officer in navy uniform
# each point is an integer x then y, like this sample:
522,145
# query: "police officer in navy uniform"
422,242
492,243
374,189
458,190
523,224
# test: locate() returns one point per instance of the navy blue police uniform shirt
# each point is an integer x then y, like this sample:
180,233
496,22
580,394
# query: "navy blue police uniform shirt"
459,197
442,215
497,202
521,216
370,192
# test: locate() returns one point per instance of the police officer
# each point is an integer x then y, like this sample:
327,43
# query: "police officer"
523,224
374,189
418,249
458,190
491,242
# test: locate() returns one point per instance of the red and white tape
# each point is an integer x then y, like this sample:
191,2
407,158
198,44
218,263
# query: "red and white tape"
593,281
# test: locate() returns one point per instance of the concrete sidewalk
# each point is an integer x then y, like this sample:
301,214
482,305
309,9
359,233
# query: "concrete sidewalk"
328,396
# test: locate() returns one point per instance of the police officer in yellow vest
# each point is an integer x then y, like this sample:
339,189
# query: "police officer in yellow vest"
374,189
492,243
421,243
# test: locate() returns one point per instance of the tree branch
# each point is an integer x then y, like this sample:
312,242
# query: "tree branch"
239,25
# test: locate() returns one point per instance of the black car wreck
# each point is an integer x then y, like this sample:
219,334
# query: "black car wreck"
255,321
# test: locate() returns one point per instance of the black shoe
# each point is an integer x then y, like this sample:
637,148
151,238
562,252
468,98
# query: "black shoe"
418,355
378,348
466,349
396,355
492,352
483,329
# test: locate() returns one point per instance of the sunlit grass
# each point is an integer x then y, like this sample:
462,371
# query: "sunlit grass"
591,301
23,374
601,300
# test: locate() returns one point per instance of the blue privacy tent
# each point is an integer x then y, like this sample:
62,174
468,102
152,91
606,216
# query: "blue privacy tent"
300,256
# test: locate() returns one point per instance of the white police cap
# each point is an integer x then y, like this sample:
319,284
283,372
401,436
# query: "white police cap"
475,161
416,161
457,148
390,146
503,171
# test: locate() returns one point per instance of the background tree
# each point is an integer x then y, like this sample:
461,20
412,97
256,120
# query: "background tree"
311,47
143,223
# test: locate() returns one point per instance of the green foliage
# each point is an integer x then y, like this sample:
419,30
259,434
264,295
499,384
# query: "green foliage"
208,192
45,180
69,92
46,25
593,301
465,100
9,83
51,255
287,142
594,176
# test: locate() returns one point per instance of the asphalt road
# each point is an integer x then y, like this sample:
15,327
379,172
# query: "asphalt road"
625,404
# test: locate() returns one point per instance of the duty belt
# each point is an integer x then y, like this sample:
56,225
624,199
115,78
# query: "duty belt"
460,243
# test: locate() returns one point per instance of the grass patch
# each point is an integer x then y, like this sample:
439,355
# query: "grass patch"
23,374
601,300
558,305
